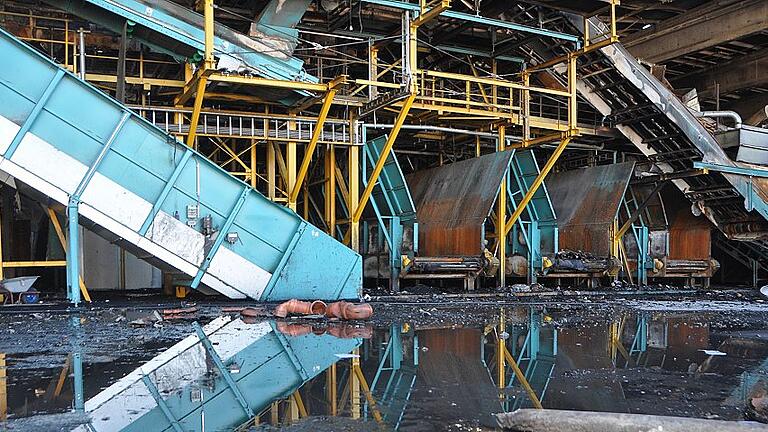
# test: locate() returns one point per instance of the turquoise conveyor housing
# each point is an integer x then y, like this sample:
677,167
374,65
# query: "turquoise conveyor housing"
133,184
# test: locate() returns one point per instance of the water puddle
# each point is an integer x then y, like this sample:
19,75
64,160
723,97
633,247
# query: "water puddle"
250,374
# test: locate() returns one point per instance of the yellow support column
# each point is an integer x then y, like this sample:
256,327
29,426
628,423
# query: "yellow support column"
290,155
354,195
271,171
330,190
208,64
253,164
501,214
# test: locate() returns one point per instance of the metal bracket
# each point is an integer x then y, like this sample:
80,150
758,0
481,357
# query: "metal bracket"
220,237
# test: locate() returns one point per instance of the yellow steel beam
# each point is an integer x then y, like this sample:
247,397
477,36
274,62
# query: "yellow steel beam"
208,28
310,150
25,264
285,84
537,182
479,85
63,242
523,381
367,391
330,389
195,119
156,82
427,15
300,404
358,211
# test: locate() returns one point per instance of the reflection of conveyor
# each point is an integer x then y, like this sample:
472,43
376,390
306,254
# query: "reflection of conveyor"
135,185
217,379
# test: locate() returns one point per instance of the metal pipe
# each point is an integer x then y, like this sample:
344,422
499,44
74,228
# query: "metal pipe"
722,114
81,34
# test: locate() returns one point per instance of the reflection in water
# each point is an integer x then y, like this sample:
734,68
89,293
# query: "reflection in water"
234,373
216,379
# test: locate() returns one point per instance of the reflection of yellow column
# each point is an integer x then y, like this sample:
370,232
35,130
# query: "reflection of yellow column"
291,162
3,389
274,414
501,347
293,411
330,389
354,392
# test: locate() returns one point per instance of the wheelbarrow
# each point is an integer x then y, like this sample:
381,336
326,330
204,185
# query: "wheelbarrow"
22,286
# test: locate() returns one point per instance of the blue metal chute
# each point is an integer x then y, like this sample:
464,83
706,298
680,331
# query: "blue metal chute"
392,196
170,28
536,357
538,223
130,182
215,379
392,202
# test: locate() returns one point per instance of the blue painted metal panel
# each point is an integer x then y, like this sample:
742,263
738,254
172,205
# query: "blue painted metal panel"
538,223
260,362
393,192
145,181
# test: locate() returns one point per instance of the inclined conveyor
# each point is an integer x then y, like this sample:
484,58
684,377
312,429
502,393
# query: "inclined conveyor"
134,184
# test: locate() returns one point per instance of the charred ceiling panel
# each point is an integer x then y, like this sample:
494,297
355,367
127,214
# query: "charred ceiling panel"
586,202
453,201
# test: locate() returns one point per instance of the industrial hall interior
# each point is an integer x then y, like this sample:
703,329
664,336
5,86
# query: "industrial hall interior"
355,215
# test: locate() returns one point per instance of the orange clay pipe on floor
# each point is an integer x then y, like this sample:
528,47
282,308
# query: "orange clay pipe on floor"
349,311
298,307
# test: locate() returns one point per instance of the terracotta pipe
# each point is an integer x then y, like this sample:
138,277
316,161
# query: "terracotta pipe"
294,330
298,307
360,311
349,311
345,331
